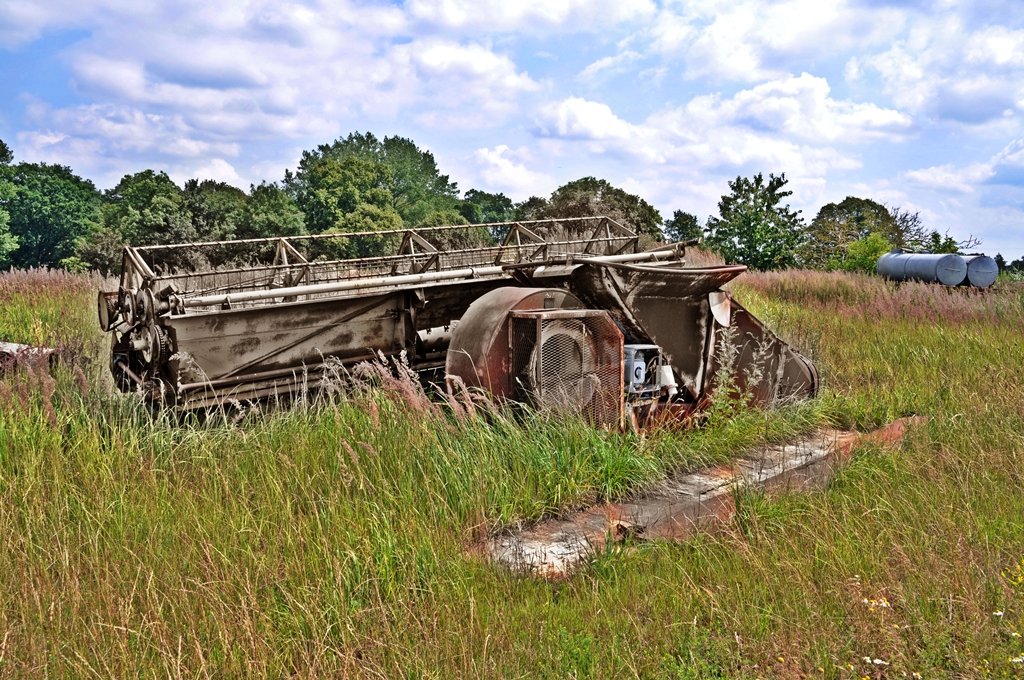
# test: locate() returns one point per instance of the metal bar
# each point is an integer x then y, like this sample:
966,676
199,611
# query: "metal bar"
379,260
140,264
396,281
389,232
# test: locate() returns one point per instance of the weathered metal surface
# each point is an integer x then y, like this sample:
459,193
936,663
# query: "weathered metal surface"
681,310
479,352
12,353
678,507
982,270
947,269
186,333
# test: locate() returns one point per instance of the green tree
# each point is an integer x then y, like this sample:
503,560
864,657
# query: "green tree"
481,207
589,196
534,205
453,239
409,177
908,231
8,241
6,155
862,255
147,208
1000,261
269,212
214,208
682,227
754,227
49,209
329,189
366,217
839,224
942,243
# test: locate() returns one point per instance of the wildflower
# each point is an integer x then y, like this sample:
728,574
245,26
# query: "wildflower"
880,662
916,675
998,614
880,603
780,659
1017,659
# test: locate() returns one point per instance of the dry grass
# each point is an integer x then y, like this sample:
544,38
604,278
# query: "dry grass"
331,540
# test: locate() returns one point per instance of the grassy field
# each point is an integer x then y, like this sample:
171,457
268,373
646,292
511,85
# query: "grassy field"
331,540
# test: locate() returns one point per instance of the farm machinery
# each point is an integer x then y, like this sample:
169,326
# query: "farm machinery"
567,315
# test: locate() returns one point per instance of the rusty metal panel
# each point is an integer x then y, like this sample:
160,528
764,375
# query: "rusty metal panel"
232,343
568,361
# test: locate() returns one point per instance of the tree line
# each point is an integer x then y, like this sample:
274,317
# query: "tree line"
49,216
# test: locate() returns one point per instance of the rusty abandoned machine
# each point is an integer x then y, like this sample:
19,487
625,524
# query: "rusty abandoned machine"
563,314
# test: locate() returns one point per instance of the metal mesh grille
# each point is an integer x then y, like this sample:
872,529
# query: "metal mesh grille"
568,361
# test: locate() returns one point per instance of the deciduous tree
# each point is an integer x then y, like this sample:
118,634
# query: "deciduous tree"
682,227
481,207
269,212
589,196
837,225
410,182
214,208
49,210
754,227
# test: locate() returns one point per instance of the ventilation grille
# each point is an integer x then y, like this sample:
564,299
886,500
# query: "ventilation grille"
568,361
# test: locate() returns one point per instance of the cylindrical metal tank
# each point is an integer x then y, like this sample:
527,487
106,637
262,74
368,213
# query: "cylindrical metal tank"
982,270
947,269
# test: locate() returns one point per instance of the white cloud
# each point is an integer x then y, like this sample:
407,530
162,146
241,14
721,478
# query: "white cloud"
949,177
216,169
750,40
1005,167
615,63
505,170
581,119
996,46
802,107
943,69
780,125
529,15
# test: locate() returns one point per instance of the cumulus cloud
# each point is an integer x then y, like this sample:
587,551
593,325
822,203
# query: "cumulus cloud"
506,170
528,15
581,119
1004,168
216,169
784,124
609,65
747,40
802,107
943,69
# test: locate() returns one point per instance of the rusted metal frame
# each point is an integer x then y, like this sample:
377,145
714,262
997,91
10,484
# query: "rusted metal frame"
517,230
409,241
320,266
408,279
284,248
353,234
594,236
139,264
374,302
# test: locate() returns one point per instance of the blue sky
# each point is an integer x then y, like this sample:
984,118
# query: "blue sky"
915,104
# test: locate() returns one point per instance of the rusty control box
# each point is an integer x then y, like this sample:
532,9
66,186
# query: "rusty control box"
567,314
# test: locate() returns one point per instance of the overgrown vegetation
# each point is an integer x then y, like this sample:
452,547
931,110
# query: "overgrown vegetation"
335,538
49,216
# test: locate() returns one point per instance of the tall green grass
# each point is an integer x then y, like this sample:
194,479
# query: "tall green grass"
337,538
